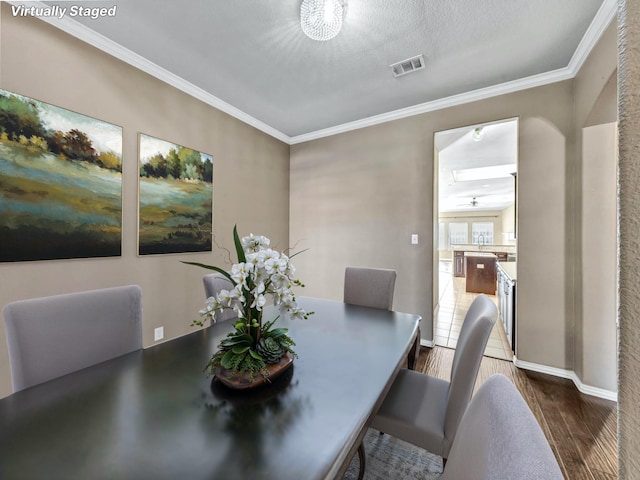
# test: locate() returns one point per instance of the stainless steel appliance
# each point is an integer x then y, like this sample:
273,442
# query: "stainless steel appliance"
507,300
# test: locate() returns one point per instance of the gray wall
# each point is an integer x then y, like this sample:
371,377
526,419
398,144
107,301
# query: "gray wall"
629,235
593,196
251,173
384,192
355,198
596,358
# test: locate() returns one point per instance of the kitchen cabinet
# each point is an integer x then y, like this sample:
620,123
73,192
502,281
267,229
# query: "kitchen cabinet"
480,272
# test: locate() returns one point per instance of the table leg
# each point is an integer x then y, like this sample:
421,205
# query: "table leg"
362,461
412,360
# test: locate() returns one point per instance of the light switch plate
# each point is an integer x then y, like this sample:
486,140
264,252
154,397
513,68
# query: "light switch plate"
414,239
158,334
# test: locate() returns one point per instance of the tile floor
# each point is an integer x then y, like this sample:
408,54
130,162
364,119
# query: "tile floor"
454,302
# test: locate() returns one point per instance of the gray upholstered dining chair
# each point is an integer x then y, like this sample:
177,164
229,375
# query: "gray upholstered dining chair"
425,410
369,287
374,288
52,336
213,283
499,438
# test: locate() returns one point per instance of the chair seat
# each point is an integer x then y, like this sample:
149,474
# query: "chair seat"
414,410
499,437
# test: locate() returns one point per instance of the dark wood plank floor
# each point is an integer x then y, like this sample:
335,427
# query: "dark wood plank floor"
581,429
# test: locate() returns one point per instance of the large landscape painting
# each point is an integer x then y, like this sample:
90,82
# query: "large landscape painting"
60,183
176,198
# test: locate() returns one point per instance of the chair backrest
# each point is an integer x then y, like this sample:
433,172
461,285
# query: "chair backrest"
474,334
51,336
213,283
369,287
499,438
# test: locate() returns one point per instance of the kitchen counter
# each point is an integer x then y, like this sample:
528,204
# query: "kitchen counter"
509,268
484,248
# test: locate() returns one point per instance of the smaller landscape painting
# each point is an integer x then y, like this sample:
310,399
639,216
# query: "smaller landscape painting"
176,198
60,183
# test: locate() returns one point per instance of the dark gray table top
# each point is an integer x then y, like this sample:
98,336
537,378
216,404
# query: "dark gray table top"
154,414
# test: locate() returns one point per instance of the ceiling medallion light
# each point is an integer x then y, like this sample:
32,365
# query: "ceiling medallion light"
321,20
478,133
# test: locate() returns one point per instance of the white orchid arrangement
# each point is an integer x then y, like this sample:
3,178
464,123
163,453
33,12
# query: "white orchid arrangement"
259,273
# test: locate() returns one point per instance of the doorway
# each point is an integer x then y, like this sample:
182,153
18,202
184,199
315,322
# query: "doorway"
475,208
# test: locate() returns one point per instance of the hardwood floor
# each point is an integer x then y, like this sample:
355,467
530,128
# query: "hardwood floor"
581,429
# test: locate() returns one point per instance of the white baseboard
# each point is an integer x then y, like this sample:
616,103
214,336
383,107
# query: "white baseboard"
427,343
568,374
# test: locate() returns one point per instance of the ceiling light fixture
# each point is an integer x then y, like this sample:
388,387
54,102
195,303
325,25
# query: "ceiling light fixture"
321,20
478,133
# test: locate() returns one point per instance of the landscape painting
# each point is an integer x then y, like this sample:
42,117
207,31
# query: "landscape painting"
176,198
60,183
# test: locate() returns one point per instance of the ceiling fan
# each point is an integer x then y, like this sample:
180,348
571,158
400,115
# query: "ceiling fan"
473,203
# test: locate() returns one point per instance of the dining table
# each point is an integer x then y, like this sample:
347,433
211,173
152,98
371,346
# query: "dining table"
155,414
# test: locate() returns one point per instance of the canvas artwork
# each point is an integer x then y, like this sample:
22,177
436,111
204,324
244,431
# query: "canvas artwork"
60,183
176,198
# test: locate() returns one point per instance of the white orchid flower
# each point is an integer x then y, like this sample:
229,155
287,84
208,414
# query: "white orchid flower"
256,259
254,243
212,307
260,288
298,314
264,272
258,302
224,298
278,280
240,272
237,294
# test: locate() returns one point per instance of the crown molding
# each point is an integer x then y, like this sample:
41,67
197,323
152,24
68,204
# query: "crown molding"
605,15
452,101
81,32
601,21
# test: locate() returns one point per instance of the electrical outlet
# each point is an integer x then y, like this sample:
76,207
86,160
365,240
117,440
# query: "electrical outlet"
158,334
414,239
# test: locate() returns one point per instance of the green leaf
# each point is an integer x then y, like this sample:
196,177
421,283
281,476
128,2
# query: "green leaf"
238,243
239,349
267,326
226,360
276,332
212,267
244,339
255,355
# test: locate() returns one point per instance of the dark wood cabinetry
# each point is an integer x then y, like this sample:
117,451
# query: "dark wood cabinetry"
481,273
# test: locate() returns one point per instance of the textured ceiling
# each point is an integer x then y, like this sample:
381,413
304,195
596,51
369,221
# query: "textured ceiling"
253,55
251,59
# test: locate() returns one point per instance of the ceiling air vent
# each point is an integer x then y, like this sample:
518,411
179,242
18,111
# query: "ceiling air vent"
407,66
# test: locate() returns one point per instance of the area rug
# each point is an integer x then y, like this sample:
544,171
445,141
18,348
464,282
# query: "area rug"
389,458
